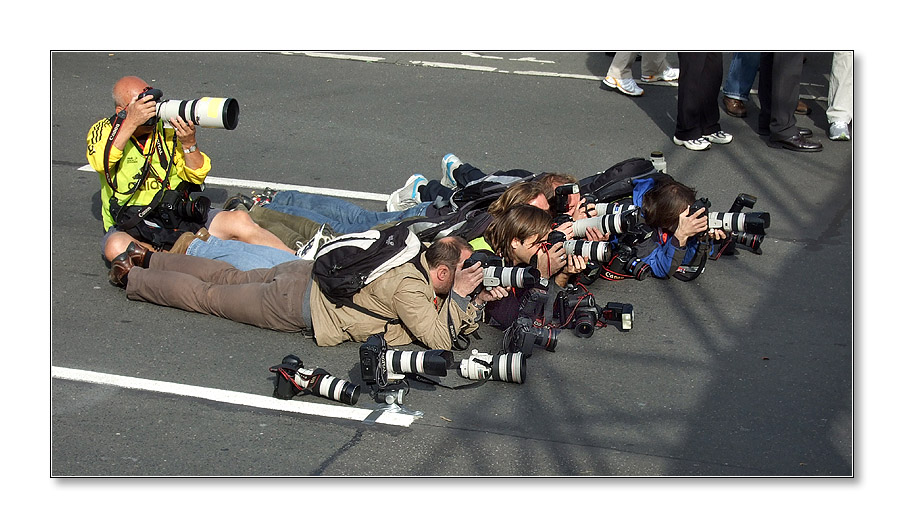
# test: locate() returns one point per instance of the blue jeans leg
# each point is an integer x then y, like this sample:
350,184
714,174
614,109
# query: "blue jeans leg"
241,255
741,74
343,216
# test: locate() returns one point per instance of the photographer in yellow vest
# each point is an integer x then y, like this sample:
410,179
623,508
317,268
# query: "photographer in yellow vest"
147,171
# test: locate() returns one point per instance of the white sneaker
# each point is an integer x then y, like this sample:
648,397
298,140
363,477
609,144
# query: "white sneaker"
321,237
693,144
720,138
407,196
839,131
625,86
450,163
670,74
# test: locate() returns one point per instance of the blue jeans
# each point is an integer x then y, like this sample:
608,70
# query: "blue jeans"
741,74
241,255
344,217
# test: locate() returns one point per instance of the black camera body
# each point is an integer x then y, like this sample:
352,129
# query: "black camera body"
578,310
555,237
625,264
523,337
292,378
382,366
176,206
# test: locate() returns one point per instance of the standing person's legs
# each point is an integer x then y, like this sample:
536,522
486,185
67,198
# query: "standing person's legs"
653,63
691,96
741,75
620,67
841,88
783,88
709,96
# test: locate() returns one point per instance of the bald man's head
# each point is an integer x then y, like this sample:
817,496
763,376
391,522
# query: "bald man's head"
125,89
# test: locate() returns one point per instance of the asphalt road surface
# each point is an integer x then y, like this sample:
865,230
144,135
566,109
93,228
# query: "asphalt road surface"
747,371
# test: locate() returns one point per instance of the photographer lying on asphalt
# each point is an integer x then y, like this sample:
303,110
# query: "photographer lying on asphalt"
520,237
286,299
674,233
305,213
146,170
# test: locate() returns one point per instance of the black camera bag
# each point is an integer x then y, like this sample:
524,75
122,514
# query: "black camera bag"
616,183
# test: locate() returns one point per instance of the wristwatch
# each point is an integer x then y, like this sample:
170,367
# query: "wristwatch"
190,149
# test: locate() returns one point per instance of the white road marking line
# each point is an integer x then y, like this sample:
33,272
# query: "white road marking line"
254,184
235,398
454,66
364,58
562,75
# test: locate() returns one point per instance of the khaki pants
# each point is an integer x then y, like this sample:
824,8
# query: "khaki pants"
650,64
294,231
273,298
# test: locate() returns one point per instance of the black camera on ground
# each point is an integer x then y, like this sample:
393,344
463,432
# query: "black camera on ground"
523,337
509,367
382,366
209,112
292,378
576,308
495,274
176,206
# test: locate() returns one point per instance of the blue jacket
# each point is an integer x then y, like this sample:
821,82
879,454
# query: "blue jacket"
661,252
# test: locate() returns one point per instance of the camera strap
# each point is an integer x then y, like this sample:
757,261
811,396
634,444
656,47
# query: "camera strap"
138,180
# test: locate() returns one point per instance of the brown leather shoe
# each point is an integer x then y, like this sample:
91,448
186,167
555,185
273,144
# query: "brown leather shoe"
138,255
119,269
802,108
734,107
182,243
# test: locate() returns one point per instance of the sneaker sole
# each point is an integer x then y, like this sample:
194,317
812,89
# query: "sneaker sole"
686,144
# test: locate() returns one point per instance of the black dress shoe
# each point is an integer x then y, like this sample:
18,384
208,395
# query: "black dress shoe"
233,202
119,270
796,143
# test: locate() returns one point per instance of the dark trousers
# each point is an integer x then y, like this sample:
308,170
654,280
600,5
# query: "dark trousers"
464,174
698,95
779,92
272,298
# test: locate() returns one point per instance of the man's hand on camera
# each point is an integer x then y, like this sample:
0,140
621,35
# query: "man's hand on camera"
595,235
550,261
185,131
492,294
566,228
718,234
690,224
137,114
468,279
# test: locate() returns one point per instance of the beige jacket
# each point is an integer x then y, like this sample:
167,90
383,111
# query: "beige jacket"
404,293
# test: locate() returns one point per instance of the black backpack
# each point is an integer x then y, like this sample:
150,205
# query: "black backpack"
347,263
616,183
